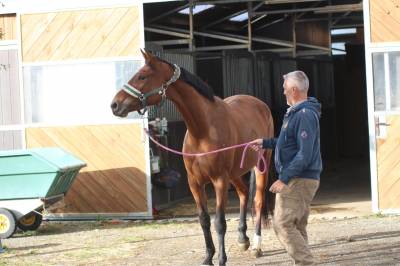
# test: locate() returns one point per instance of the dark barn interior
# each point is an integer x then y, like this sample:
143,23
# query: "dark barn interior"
244,47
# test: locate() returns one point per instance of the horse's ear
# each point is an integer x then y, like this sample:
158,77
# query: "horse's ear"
144,53
149,57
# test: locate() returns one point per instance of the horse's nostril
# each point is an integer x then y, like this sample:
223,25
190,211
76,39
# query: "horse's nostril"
114,105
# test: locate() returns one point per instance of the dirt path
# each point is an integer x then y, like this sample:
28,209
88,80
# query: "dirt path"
370,240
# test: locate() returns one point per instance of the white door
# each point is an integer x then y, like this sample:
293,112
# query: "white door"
11,131
386,87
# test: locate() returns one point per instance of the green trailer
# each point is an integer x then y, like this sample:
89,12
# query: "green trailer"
30,181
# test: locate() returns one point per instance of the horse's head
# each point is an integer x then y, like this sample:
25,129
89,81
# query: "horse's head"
147,87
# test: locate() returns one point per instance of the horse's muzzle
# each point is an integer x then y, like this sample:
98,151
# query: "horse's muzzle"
118,109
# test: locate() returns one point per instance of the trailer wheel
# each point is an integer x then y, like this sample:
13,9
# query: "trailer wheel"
30,222
7,223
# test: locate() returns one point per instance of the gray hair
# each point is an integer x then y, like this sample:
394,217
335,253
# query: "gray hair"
300,78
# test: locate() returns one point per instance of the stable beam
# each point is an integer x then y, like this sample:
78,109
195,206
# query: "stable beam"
170,42
244,39
229,17
317,10
167,32
173,11
204,34
272,2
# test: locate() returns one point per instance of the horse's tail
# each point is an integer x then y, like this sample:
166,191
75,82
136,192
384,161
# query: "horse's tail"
252,191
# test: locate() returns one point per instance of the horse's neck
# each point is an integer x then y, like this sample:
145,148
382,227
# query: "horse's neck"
195,109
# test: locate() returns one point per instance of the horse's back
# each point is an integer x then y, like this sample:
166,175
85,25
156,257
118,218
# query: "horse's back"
238,101
249,110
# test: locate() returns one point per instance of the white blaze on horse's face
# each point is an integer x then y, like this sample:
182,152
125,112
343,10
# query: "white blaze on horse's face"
142,82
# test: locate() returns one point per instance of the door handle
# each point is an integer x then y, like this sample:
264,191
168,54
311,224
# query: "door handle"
383,124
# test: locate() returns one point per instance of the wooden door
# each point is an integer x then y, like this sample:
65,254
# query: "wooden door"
10,102
386,67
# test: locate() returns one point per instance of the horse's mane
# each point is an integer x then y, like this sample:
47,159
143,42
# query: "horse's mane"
197,83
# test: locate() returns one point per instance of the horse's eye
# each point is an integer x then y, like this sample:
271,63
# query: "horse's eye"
142,78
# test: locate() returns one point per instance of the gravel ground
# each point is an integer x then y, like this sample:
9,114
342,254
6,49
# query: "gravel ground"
371,240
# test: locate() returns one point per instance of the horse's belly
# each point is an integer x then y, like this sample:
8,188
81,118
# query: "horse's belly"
209,166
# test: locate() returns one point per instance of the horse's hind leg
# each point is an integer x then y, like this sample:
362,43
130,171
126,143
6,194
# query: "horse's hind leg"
243,194
261,182
221,193
200,197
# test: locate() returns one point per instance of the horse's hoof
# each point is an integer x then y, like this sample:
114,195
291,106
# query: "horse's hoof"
256,253
244,246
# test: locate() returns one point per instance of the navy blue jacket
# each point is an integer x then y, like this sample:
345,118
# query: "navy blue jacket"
297,149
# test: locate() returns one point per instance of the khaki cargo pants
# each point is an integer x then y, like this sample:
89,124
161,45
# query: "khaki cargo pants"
292,208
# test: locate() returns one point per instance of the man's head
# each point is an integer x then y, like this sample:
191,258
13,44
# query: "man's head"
295,87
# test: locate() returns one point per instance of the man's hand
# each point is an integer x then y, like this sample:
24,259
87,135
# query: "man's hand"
277,186
256,144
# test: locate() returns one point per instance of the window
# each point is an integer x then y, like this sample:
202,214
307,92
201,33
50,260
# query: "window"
338,48
74,93
379,81
196,9
241,17
386,67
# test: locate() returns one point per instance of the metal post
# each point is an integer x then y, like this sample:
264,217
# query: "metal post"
191,39
294,36
329,30
249,17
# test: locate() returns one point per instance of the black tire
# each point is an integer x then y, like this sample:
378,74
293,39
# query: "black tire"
7,223
30,222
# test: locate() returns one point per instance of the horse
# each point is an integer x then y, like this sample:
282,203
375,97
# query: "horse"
212,123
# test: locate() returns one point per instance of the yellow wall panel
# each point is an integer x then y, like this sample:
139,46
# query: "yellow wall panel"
114,180
108,32
388,154
385,20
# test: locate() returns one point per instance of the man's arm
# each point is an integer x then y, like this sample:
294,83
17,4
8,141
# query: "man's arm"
306,132
258,144
269,143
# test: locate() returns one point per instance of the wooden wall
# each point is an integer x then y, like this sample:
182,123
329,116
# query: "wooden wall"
8,27
385,20
315,33
114,180
109,32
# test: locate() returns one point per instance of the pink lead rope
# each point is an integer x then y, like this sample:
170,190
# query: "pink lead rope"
245,145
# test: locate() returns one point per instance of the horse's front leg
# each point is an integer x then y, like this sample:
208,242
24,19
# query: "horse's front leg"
243,194
200,197
261,182
221,192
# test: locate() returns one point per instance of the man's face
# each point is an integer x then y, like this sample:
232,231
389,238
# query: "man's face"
289,90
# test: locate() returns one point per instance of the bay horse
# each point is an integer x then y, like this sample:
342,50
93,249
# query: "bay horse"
212,123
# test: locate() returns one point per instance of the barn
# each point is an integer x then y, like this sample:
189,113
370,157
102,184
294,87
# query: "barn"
62,62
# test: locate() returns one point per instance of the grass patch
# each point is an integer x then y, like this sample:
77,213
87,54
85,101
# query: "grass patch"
85,254
133,239
376,215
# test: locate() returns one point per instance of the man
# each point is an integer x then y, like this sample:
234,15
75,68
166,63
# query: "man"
1,247
298,163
